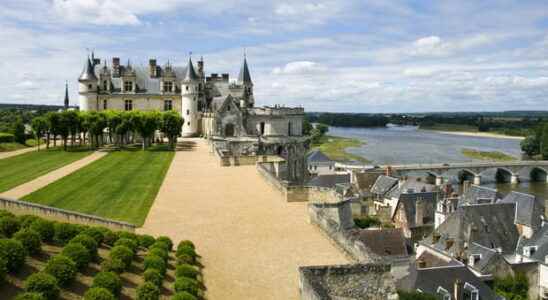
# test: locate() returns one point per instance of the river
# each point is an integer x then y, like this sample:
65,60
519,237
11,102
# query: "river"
408,145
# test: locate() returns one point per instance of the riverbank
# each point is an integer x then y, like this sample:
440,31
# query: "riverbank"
478,134
335,148
487,155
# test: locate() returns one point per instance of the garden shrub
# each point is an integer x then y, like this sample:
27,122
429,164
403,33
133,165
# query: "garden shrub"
122,253
368,221
3,269
30,240
159,252
186,259
109,237
166,240
186,271
6,137
9,225
186,250
78,253
45,229
26,220
153,276
30,296
88,242
64,232
5,213
44,284
146,240
189,285
186,243
127,235
115,265
62,268
14,253
96,233
131,244
98,293
108,280
148,291
184,296
155,262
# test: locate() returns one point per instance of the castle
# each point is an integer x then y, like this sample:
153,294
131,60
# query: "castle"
212,106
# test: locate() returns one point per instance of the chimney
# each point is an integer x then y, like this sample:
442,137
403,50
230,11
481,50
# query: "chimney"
225,77
153,68
388,171
201,67
419,211
457,289
115,67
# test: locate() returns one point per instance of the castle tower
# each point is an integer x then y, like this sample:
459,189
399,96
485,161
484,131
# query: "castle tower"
244,79
190,92
67,101
87,87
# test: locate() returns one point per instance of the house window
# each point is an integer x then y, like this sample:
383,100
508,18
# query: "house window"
529,250
128,86
168,105
262,128
168,86
128,105
474,259
445,295
470,292
105,106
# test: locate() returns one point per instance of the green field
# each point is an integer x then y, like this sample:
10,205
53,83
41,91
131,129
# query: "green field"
22,168
335,148
120,186
487,155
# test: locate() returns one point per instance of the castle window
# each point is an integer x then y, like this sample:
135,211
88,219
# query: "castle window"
186,87
289,128
187,112
168,105
128,86
168,86
188,123
128,105
90,86
262,128
105,85
105,106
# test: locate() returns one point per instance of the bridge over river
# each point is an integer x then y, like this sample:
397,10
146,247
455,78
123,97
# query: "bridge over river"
505,171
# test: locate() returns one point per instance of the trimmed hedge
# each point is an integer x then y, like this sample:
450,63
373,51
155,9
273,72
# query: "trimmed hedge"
78,253
155,262
167,241
122,253
44,228
30,240
44,284
115,265
186,243
14,253
30,296
6,137
9,225
96,233
27,220
64,232
184,296
159,252
62,268
189,285
108,280
146,240
109,237
186,271
131,244
153,276
148,291
87,241
98,293
186,259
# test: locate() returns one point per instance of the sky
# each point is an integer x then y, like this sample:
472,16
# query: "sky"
325,55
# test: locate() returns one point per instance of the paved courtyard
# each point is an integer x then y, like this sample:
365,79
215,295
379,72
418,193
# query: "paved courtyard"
251,241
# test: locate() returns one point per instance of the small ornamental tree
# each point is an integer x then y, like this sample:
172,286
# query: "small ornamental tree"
189,285
153,276
108,280
167,241
148,291
30,240
109,237
9,225
131,244
30,296
530,145
88,242
155,262
186,271
184,296
171,126
43,284
146,240
62,268
19,131
127,235
78,253
44,228
39,127
122,253
115,265
14,253
98,293
186,243
186,250
159,252
64,232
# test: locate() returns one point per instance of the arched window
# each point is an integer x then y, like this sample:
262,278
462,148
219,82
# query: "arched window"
261,126
289,128
229,129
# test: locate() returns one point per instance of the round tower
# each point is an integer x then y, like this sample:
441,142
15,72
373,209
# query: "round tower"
190,92
87,87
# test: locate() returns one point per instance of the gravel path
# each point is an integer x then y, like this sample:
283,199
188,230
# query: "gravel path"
40,182
251,241
17,152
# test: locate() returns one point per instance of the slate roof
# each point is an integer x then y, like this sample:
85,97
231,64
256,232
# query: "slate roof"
328,181
487,256
479,194
529,209
383,184
429,280
88,73
190,74
317,156
408,203
244,76
538,239
410,186
383,242
489,225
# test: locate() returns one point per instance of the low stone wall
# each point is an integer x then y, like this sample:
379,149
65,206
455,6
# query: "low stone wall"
47,212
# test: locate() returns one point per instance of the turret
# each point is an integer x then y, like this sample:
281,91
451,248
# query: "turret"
87,87
190,93
67,101
244,79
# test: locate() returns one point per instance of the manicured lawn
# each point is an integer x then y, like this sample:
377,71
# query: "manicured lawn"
334,147
121,186
25,167
487,155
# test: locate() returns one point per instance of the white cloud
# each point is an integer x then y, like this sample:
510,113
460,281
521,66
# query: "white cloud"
300,67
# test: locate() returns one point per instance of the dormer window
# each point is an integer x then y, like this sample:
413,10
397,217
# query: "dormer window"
128,86
529,250
470,292
168,86
445,295
474,259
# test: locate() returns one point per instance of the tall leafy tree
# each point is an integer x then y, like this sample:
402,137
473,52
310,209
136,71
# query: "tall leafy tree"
19,131
530,145
54,124
544,142
172,122
39,127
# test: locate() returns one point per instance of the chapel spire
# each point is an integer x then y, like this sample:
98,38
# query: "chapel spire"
66,96
245,76
190,74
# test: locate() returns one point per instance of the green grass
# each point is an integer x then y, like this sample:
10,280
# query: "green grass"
487,155
22,168
335,148
6,147
121,186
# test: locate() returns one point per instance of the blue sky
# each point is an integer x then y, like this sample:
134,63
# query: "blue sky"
325,55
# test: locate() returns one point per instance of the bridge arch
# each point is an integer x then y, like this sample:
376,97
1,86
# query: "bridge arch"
539,174
467,175
503,175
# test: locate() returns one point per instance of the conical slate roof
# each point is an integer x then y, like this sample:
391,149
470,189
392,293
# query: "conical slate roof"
190,74
88,74
244,76
66,96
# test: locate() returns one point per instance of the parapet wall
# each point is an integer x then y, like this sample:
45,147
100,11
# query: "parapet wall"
21,208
